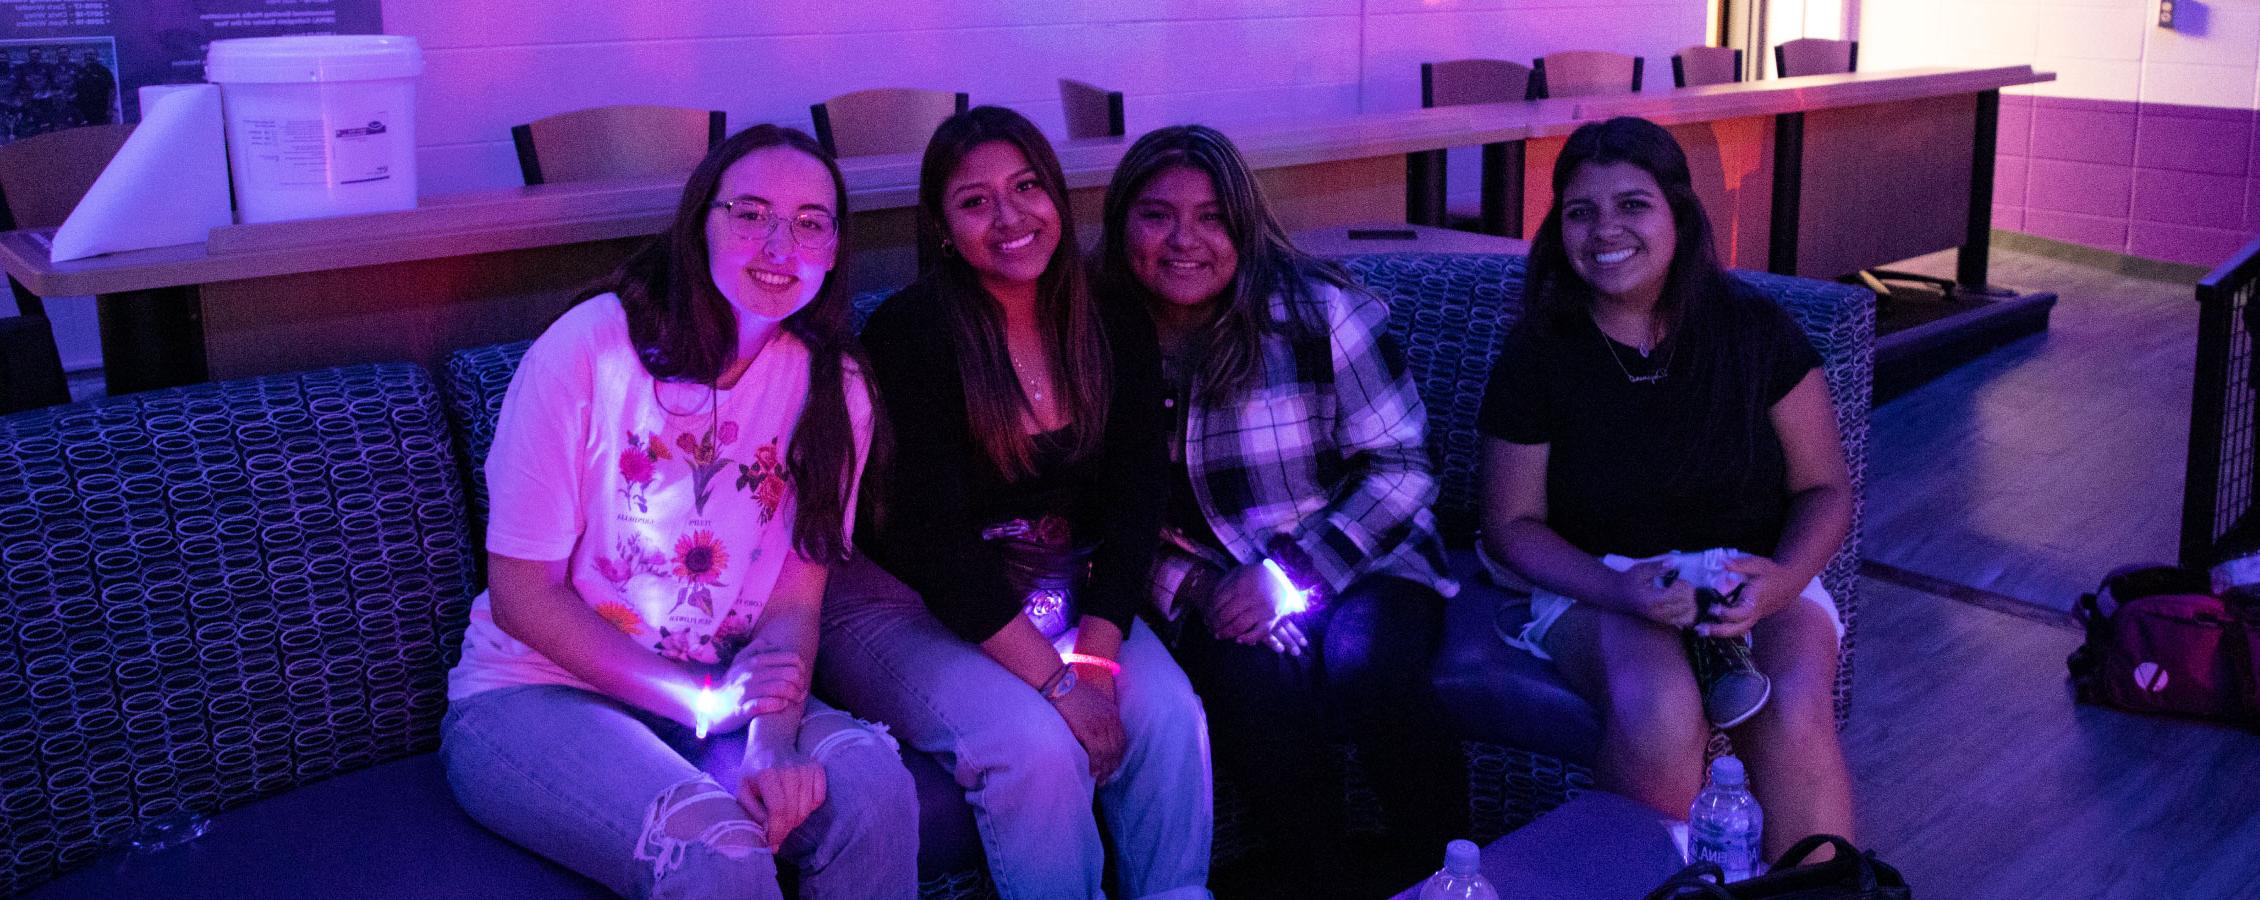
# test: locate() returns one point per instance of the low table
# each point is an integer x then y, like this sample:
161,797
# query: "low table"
1386,237
1598,845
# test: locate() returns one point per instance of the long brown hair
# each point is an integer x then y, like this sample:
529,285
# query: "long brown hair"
1704,322
1074,338
684,330
1228,353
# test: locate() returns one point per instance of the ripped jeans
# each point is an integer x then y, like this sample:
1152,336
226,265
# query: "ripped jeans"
587,782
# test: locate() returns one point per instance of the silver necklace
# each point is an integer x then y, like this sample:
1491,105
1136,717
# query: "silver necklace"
1034,395
1651,377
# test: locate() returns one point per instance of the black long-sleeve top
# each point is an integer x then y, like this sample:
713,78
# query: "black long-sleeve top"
942,490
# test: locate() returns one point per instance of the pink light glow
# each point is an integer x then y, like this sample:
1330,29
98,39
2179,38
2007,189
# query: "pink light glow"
710,704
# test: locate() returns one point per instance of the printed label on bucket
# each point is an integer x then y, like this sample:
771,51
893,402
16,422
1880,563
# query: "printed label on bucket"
286,153
362,153
312,153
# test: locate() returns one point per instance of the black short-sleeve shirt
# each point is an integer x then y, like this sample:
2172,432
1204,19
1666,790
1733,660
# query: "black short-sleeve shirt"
1633,467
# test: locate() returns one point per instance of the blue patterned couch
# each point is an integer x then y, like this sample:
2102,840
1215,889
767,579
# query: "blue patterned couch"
243,598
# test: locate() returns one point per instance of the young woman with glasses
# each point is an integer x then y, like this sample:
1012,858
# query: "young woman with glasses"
673,474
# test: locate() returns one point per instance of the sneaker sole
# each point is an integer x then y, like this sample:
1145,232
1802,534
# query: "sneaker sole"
1754,709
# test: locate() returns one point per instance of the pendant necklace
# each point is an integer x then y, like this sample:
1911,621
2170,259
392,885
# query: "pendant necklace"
1651,377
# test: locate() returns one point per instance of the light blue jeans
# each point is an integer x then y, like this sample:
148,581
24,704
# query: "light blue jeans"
580,778
1026,777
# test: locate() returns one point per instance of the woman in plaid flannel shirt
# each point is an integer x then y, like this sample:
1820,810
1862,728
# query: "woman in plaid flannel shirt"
1300,565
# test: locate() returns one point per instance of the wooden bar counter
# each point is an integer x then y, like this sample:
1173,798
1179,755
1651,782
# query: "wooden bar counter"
488,266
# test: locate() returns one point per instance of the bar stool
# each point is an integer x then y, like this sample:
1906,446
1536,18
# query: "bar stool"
615,141
1815,56
1699,65
41,179
1466,81
1091,111
1587,73
882,120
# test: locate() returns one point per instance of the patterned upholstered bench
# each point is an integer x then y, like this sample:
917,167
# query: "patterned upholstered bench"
240,599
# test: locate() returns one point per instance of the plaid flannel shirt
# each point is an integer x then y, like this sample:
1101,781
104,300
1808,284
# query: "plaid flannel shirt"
1328,450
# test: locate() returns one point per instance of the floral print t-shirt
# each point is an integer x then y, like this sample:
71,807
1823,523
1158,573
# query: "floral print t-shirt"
670,501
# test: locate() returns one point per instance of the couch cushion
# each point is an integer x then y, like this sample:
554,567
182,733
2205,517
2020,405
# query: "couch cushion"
1449,312
390,831
1499,694
394,830
218,593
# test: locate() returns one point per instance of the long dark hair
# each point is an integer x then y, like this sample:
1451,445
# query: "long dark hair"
1074,338
1229,352
1706,326
684,330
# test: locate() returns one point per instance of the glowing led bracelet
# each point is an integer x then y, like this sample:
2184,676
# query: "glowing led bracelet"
711,704
1085,659
1287,599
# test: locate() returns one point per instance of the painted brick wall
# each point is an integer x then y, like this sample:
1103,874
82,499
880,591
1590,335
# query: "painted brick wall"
2144,144
493,65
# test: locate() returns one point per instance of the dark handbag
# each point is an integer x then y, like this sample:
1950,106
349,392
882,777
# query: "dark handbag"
2159,641
1852,875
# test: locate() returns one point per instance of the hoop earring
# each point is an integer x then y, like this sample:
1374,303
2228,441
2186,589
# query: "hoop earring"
948,248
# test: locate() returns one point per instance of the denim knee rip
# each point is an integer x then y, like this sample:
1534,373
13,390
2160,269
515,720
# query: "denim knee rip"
848,730
734,836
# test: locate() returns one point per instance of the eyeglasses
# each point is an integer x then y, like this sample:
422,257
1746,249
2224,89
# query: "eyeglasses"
752,220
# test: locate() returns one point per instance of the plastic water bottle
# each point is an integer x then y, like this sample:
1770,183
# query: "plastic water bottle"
1461,878
1725,824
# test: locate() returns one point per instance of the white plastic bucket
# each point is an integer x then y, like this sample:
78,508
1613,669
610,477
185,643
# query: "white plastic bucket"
318,125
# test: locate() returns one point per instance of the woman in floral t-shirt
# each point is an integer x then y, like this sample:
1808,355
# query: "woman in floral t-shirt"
671,475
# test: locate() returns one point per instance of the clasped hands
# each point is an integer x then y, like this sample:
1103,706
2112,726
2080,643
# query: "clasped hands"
1240,607
779,790
1653,590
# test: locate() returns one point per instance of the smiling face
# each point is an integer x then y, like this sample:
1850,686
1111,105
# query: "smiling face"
768,279
1617,229
1176,238
1000,217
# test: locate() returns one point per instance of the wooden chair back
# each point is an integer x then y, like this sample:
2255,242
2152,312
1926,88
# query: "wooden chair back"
883,120
615,141
43,177
1588,73
1815,56
1696,66
1091,111
1463,81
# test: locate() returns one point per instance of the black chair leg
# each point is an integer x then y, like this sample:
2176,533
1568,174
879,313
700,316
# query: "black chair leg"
31,371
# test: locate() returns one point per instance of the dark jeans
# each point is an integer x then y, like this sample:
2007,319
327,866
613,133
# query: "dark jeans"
1365,678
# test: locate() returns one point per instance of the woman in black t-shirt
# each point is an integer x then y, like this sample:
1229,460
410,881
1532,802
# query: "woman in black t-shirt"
1649,404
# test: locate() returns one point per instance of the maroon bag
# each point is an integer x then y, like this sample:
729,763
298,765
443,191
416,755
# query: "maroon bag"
2159,642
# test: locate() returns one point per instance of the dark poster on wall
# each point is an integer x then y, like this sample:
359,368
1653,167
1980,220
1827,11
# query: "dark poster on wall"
66,63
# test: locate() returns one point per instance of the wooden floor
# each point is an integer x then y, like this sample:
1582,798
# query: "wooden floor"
2034,470
1977,777
2025,476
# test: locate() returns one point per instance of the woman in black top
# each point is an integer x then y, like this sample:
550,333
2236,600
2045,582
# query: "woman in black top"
1020,517
1649,404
